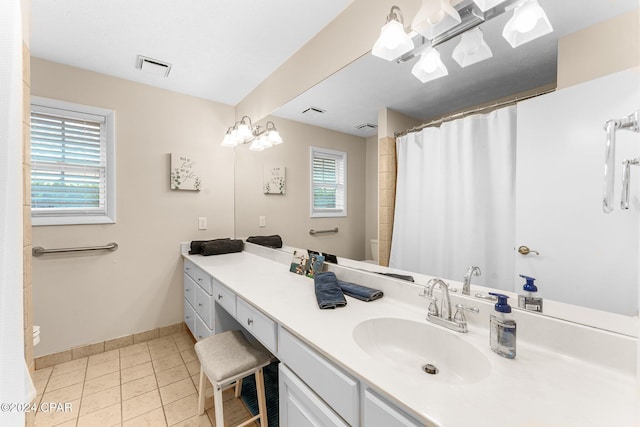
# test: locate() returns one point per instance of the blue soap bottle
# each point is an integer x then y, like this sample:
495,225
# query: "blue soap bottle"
529,300
502,328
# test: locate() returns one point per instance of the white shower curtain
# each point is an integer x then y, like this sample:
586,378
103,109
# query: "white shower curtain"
455,199
15,384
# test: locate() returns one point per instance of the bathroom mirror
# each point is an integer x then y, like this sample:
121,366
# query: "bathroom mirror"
346,97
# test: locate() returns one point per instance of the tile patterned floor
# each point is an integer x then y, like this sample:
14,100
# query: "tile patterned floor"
152,383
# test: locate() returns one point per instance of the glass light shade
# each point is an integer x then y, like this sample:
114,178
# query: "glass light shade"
264,141
434,18
244,132
228,141
429,66
393,41
485,5
527,23
274,137
256,145
472,48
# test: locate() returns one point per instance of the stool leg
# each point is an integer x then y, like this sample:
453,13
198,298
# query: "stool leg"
238,387
201,387
262,397
217,405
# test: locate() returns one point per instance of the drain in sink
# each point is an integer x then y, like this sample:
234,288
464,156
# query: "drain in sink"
430,369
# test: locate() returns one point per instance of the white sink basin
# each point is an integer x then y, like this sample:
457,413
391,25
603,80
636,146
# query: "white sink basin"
408,346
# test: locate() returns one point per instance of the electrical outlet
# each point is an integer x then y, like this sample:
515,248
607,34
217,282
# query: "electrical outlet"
202,223
262,221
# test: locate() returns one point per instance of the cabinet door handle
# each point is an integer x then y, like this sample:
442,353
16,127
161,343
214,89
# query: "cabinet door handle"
219,296
249,322
199,305
187,268
188,317
199,279
187,290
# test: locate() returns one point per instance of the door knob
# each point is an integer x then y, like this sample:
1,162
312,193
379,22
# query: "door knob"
526,251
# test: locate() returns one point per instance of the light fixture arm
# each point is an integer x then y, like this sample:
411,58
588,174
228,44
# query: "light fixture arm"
395,14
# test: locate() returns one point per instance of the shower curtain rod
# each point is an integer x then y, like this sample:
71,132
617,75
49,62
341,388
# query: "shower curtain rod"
471,111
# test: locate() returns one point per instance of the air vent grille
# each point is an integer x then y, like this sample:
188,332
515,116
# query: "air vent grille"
153,66
366,126
313,111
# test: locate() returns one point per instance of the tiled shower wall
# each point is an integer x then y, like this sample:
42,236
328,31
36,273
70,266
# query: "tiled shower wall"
386,196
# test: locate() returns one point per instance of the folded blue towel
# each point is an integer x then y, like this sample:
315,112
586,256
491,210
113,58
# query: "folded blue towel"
328,293
360,292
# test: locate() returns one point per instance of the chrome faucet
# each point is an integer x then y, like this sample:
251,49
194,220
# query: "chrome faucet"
466,286
442,316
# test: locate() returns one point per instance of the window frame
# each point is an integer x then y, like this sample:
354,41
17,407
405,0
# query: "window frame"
78,111
341,156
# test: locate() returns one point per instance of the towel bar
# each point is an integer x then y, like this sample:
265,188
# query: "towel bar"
39,250
333,230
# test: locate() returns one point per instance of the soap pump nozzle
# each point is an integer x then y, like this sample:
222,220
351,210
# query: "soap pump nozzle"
502,306
529,286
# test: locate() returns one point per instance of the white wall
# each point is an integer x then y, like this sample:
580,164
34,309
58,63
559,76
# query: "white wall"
288,215
81,299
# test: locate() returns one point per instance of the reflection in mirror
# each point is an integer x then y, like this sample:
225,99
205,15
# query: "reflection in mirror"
371,88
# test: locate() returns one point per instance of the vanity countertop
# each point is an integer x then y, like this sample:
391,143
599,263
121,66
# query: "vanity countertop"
538,388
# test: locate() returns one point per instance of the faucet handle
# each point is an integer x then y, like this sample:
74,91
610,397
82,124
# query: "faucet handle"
459,317
433,306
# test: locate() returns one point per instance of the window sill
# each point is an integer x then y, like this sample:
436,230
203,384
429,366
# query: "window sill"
56,220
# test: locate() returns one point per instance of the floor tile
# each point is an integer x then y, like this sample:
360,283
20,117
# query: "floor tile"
137,387
189,355
172,375
154,418
65,380
135,359
193,367
163,351
99,358
42,374
141,404
46,419
136,372
182,409
103,368
175,391
64,394
71,366
161,342
109,416
100,400
95,385
167,363
132,349
197,421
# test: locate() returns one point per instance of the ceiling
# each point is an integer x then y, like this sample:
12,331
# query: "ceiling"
219,49
354,95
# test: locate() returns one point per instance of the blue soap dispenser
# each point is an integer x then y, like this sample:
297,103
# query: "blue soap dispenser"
529,300
502,329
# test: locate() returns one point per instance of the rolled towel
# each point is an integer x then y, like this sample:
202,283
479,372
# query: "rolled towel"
398,276
363,293
274,241
328,293
219,247
196,245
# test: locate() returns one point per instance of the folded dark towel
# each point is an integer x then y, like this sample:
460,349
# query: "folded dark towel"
196,245
328,293
219,247
274,241
363,293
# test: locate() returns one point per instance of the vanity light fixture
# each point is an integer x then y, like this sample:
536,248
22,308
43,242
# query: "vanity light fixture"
527,23
438,21
472,48
429,66
393,40
243,132
434,18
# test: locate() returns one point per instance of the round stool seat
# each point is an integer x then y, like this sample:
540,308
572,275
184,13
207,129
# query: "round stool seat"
228,354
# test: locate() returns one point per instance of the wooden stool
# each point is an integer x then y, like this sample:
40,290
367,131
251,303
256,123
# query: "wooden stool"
225,359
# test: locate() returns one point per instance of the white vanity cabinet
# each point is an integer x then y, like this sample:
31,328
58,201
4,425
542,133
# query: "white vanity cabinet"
380,413
199,300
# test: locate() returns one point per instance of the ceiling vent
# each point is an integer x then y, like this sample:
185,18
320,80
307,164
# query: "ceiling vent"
366,126
313,111
153,66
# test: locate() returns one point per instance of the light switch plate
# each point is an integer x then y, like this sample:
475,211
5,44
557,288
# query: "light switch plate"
202,223
262,221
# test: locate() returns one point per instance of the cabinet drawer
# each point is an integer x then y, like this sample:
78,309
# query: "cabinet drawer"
204,306
201,329
299,406
260,326
190,317
189,289
379,413
190,268
335,387
224,297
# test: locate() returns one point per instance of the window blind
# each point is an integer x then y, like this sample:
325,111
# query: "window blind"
68,164
328,182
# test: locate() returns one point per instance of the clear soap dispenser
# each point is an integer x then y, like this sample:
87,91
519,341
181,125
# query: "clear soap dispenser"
529,299
502,329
